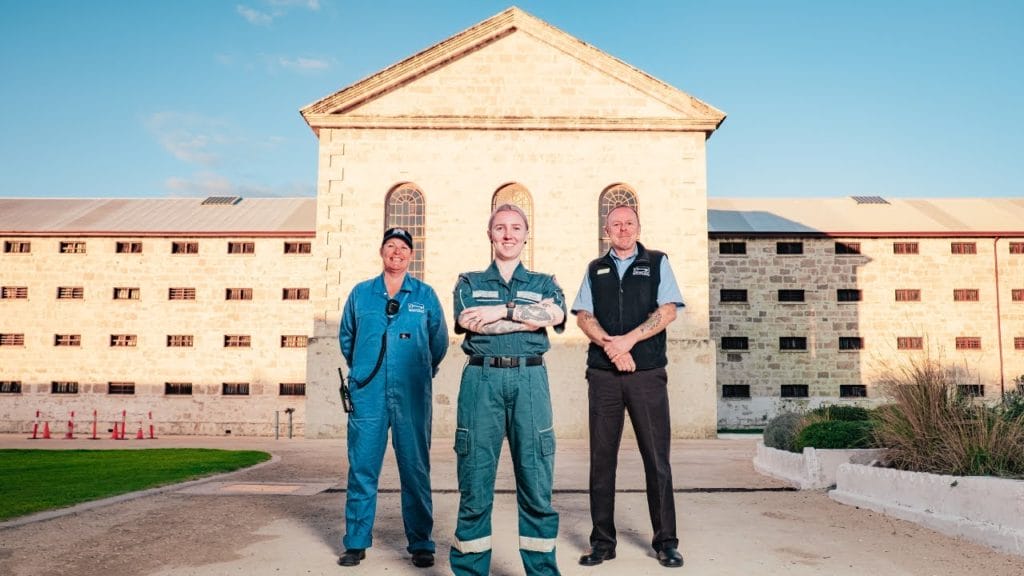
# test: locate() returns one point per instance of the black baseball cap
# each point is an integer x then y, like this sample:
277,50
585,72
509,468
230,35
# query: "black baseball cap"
400,233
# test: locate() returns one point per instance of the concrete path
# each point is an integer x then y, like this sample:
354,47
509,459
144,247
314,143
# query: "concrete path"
285,518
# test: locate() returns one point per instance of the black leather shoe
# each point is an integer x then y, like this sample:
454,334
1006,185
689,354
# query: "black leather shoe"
422,558
352,557
670,558
597,556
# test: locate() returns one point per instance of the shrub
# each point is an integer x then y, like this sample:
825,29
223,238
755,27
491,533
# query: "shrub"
836,434
843,412
781,431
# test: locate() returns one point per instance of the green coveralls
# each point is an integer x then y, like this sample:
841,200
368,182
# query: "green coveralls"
497,401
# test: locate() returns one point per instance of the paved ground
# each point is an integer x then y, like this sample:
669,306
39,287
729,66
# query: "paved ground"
279,519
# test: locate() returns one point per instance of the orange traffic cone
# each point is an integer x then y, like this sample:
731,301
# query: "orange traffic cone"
114,435
139,435
46,430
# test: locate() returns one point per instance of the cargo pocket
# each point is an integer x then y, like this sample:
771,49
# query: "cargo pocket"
461,441
547,442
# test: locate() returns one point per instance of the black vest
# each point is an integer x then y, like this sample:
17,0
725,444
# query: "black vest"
622,305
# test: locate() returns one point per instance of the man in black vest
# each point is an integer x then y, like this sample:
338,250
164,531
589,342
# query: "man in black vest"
627,299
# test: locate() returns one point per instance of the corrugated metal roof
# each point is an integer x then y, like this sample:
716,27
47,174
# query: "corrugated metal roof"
847,217
157,216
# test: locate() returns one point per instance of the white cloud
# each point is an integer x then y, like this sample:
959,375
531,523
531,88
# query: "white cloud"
313,5
304,64
254,16
189,137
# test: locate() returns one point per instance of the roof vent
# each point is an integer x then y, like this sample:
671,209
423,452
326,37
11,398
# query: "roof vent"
221,201
869,200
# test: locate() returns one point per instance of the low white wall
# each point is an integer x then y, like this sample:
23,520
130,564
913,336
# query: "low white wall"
983,509
814,469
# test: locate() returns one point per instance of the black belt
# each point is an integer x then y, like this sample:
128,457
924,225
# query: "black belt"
506,361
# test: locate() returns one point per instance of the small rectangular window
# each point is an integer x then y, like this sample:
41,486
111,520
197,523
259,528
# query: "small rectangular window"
971,390
1016,247
70,292
968,343
735,390
63,387
297,247
14,292
791,295
179,340
72,247
733,295
123,340
909,343
792,343
235,389
9,339
295,294
963,248
908,295
120,387
965,295
183,247
735,343
292,389
853,391
1018,343
733,357
732,248
126,293
848,295
793,391
10,387
181,293
237,341
1017,294
241,247
238,294
847,247
17,247
177,388
851,343
789,247
294,341
67,339
128,247
904,248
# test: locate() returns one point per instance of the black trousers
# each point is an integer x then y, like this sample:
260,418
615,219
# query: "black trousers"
645,395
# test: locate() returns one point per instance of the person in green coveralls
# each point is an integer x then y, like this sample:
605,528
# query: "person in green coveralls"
503,312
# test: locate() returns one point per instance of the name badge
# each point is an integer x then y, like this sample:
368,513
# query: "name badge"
416,307
527,295
642,271
485,294
603,271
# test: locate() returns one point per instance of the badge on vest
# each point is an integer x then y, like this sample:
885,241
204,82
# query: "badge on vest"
642,271
417,307
603,271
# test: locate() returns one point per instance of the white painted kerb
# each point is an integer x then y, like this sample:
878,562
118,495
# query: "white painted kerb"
814,469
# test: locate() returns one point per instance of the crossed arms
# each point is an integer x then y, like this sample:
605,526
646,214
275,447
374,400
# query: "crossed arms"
527,318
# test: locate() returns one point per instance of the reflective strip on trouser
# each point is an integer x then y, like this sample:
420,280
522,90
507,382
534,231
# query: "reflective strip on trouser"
495,403
473,546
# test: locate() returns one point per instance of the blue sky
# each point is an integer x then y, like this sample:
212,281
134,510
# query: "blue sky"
200,97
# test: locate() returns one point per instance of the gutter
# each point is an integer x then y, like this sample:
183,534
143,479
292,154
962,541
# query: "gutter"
999,318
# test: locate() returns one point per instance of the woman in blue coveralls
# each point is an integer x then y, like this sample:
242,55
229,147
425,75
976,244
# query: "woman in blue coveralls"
504,393
393,336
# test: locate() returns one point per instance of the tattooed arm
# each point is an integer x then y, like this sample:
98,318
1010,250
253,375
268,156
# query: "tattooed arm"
615,346
492,319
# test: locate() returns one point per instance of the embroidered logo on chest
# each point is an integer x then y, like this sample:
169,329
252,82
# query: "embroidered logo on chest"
416,307
642,271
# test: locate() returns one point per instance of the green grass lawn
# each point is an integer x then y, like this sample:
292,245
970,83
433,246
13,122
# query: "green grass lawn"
36,480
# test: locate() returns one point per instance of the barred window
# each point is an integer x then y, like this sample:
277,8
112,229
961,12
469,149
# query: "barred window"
735,343
183,247
1016,247
971,390
295,294
904,248
181,293
733,295
1017,294
853,391
790,248
298,247
238,294
10,387
404,207
792,343
963,248
126,293
732,248
848,295
70,292
611,198
294,341
123,340
518,195
235,389
177,388
63,387
241,247
128,247
968,343
292,389
851,343
965,295
908,295
17,247
791,295
179,340
794,391
1018,343
909,343
14,292
237,341
10,339
72,247
67,339
735,390
847,248
120,387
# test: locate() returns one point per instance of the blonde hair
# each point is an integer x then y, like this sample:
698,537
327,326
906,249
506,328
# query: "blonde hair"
508,208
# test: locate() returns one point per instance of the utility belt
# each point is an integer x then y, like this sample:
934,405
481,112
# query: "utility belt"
505,361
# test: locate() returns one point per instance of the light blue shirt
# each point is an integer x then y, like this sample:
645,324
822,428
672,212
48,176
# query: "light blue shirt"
668,289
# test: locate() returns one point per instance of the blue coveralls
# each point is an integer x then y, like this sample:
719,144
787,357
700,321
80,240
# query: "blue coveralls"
398,396
497,401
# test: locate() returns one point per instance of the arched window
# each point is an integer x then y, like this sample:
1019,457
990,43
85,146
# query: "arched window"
612,197
404,208
518,194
